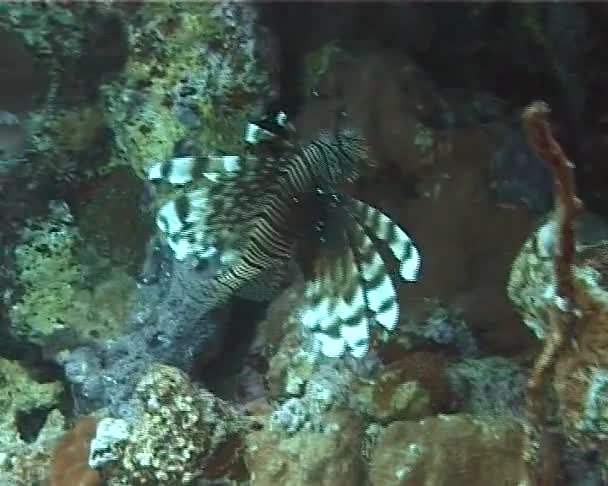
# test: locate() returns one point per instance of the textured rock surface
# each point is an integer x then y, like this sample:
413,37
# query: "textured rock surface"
25,462
488,386
67,293
176,438
408,389
328,457
581,369
454,450
195,72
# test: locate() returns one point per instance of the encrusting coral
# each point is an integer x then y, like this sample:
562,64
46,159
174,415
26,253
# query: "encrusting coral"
183,433
558,282
447,450
59,302
24,460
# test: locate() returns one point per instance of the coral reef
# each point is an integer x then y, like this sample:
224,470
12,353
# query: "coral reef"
103,207
163,326
25,456
195,71
437,326
181,435
98,98
558,283
447,450
62,54
60,303
332,456
488,386
206,59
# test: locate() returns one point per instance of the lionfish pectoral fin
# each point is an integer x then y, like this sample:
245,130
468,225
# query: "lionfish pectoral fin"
379,290
350,287
335,306
183,218
274,128
182,221
385,229
183,170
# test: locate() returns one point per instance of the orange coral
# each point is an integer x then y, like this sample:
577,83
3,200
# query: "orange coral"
70,462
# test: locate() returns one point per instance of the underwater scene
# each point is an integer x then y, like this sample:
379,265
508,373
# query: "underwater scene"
303,243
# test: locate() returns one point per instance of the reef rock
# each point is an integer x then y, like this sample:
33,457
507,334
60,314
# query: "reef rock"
24,454
581,368
454,450
330,457
183,433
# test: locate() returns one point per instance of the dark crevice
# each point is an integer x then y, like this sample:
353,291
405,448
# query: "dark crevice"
30,423
220,375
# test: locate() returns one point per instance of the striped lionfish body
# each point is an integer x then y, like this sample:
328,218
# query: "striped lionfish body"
263,211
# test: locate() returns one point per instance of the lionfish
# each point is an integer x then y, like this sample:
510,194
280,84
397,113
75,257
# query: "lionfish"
282,203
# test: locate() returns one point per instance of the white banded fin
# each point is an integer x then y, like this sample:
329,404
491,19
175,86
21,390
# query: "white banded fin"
330,346
335,305
155,172
223,163
212,176
356,337
182,170
282,120
181,247
385,229
255,134
177,170
168,220
318,315
379,289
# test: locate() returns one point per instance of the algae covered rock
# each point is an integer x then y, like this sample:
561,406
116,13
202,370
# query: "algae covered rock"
24,459
329,457
183,433
195,72
454,450
67,293
59,56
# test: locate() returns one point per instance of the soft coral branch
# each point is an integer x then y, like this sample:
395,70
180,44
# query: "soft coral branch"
562,310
